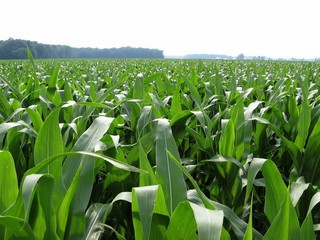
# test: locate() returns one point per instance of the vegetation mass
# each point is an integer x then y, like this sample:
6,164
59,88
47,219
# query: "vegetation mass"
17,49
159,149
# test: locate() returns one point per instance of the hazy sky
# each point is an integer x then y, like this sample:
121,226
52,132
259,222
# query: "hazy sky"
273,28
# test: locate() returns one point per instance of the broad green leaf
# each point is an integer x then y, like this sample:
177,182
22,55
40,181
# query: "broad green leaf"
238,225
48,143
97,214
198,197
94,221
45,223
297,188
8,181
291,147
237,117
143,200
311,167
305,114
178,125
194,93
176,103
182,223
227,139
254,168
303,124
276,190
114,162
285,225
209,222
54,78
35,118
5,108
168,174
138,90
307,232
64,216
314,201
5,127
86,142
148,178
17,228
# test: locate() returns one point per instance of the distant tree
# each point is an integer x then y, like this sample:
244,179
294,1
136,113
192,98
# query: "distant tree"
17,49
240,56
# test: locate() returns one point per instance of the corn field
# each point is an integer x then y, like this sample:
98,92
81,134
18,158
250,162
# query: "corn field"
159,149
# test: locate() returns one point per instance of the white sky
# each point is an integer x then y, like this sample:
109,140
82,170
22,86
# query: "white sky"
273,28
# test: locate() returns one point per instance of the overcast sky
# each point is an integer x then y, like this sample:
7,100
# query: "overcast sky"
273,28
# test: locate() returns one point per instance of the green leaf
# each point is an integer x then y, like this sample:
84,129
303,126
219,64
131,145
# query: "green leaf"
8,181
44,224
227,139
143,200
114,162
311,167
194,93
17,228
168,174
297,188
182,223
148,178
303,124
237,117
48,143
35,118
102,98
249,234
67,205
197,196
176,103
255,167
12,88
209,222
87,142
138,90
5,108
307,231
285,225
94,221
276,190
54,78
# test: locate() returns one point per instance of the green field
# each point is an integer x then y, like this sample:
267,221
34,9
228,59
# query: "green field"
159,149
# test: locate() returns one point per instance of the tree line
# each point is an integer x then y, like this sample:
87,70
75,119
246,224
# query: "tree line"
17,49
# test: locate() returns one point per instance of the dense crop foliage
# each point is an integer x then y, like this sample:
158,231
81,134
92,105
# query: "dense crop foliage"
159,149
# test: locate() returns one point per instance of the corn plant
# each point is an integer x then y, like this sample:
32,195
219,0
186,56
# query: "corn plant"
159,149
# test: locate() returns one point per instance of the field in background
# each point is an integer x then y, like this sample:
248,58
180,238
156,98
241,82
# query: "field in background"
159,149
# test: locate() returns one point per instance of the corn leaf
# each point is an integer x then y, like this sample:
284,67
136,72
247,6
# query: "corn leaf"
17,228
143,200
182,223
8,181
42,185
48,143
94,221
209,222
285,225
168,174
